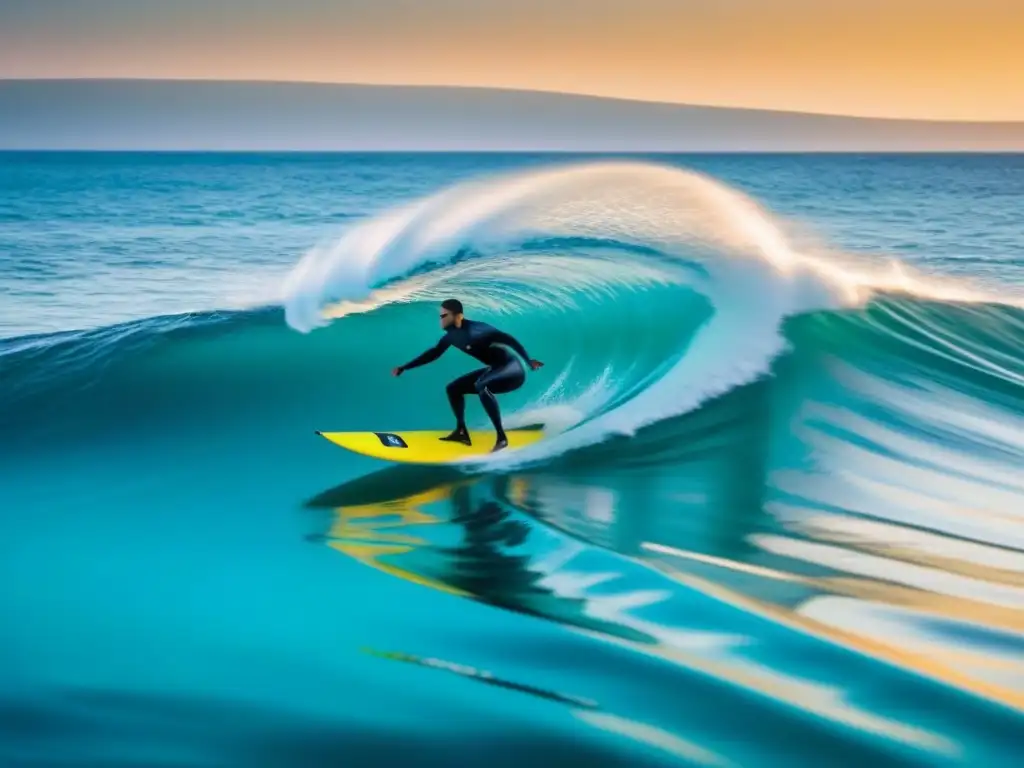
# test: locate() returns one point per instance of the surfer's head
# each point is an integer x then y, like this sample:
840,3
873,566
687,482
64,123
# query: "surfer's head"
451,313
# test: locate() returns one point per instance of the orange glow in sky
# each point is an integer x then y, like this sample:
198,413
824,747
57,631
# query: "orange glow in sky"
902,58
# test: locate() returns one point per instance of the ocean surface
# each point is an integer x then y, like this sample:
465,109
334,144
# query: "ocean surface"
778,519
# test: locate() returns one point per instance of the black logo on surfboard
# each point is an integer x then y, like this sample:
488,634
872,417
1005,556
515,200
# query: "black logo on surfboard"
389,440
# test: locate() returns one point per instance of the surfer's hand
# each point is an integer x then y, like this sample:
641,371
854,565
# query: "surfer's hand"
397,371
535,364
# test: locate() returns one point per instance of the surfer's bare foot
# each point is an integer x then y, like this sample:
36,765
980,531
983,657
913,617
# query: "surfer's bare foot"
502,442
458,436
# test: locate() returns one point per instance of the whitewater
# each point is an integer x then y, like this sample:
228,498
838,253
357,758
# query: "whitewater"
548,238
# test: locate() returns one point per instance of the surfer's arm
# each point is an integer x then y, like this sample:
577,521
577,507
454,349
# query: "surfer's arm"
427,357
500,337
495,336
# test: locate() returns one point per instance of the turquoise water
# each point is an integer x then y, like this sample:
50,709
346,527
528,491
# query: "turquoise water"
778,520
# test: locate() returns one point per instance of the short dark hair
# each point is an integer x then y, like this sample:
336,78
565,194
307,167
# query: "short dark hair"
452,305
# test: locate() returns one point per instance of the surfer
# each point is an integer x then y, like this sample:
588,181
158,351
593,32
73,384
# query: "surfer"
504,373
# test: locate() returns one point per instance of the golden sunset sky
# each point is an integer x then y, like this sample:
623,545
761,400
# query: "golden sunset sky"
935,59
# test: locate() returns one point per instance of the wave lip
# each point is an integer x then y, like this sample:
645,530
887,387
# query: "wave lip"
556,237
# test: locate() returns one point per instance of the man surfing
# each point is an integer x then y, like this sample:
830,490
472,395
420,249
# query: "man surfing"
504,373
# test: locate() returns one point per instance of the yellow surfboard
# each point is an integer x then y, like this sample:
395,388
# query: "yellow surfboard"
426,447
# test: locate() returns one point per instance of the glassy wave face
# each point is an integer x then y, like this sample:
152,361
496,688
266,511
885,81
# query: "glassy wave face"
779,518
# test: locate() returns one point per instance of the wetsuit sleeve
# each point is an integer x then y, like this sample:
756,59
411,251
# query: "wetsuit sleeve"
500,337
429,356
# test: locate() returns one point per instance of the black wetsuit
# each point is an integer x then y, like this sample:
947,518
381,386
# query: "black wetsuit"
504,373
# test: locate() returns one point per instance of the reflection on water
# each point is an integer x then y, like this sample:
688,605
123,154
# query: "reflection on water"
822,629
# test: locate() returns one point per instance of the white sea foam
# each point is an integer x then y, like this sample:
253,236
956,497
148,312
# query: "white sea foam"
668,226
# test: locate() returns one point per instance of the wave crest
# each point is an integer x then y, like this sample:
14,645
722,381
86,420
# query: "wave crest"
555,237
662,224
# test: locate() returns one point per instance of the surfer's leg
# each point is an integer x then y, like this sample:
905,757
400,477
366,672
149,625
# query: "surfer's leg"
506,378
457,391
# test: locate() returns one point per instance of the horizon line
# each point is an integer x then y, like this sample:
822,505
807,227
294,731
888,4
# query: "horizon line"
510,89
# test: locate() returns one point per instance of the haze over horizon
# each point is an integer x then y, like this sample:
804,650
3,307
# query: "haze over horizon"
230,115
906,59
